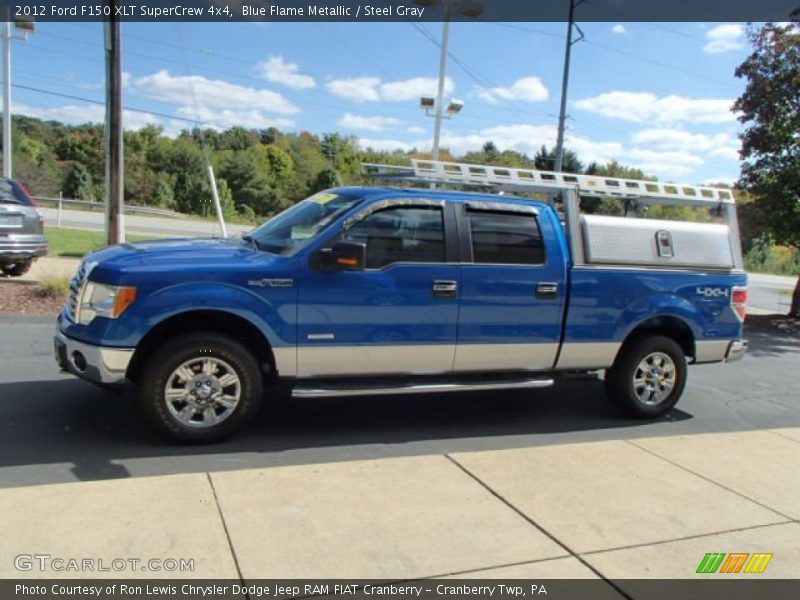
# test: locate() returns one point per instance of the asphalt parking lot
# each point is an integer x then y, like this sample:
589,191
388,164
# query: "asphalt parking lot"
55,428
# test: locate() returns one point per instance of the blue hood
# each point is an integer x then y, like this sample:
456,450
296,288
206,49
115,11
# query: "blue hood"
196,258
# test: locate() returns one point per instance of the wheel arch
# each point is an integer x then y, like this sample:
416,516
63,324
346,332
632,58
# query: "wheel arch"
667,325
212,320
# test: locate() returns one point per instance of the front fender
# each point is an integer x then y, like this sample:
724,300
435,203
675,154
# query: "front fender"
273,312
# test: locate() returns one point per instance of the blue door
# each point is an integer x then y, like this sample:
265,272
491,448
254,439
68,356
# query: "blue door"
398,315
512,292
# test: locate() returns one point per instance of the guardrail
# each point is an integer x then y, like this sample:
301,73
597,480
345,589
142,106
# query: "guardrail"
130,209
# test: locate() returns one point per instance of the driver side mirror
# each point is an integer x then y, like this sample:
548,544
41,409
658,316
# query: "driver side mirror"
342,256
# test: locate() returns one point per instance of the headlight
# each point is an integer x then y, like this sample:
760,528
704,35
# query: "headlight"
100,300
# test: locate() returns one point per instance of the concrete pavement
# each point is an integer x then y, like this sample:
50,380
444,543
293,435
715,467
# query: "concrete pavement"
646,508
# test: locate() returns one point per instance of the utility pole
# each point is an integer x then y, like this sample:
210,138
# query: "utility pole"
7,94
437,127
115,232
562,115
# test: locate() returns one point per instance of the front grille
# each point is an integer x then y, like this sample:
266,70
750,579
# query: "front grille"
75,287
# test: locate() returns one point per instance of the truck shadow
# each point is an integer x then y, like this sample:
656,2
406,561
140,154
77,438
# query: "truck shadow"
77,431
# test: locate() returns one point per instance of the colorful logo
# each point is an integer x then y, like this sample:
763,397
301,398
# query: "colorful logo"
734,562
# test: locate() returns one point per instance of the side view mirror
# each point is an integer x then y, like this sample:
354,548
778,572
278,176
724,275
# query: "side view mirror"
342,256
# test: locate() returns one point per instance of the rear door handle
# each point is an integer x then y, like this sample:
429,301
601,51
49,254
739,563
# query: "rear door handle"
445,289
547,290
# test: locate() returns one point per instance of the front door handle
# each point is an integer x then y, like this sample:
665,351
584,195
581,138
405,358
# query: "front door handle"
547,290
445,289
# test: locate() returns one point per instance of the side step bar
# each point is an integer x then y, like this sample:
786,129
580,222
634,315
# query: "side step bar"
306,391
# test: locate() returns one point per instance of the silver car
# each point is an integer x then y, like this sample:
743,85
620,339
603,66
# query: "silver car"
22,238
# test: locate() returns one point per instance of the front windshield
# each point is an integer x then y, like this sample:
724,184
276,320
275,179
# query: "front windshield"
301,222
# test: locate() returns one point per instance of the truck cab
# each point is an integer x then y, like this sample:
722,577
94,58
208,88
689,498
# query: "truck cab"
387,290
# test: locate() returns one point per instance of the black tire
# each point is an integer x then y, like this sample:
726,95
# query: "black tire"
18,269
216,349
630,397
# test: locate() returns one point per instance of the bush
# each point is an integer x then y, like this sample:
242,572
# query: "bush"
769,258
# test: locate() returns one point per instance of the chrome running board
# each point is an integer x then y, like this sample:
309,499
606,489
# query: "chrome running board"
306,391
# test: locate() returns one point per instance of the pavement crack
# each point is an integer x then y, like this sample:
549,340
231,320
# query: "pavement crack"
709,480
536,525
688,537
227,533
786,437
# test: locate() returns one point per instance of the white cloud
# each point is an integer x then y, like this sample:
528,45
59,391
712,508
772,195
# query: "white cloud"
520,137
619,28
669,163
416,130
210,93
372,89
723,145
352,121
91,113
412,89
528,89
277,70
357,89
225,118
724,38
643,107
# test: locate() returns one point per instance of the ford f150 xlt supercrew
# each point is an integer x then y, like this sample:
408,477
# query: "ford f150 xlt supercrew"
390,290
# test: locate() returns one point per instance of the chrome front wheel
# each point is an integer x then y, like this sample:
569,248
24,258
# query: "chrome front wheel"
202,392
200,387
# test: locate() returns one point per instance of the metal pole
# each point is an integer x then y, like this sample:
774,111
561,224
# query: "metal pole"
217,204
562,115
114,140
7,95
60,205
437,128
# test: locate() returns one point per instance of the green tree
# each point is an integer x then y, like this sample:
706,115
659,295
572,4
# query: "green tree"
545,160
769,109
78,184
325,179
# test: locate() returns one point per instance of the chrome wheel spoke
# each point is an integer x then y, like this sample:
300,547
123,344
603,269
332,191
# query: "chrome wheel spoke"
210,416
175,394
228,380
226,401
186,413
184,373
209,367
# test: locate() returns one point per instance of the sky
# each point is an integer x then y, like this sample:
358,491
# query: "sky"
656,96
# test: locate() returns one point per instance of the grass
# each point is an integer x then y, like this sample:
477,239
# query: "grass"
54,286
76,242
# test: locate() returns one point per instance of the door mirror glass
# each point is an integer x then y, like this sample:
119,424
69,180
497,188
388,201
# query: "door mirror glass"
342,256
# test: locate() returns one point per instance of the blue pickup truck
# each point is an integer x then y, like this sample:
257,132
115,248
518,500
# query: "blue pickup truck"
395,290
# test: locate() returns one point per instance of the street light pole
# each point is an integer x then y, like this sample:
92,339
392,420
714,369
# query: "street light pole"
562,115
115,233
7,96
437,127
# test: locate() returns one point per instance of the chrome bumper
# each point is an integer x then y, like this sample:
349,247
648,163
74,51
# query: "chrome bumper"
93,363
736,350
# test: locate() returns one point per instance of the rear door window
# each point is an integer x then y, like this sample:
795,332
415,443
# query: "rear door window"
505,238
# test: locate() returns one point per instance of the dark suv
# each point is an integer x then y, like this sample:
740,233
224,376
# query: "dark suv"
22,238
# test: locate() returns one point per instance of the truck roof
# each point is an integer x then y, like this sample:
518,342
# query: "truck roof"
457,195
